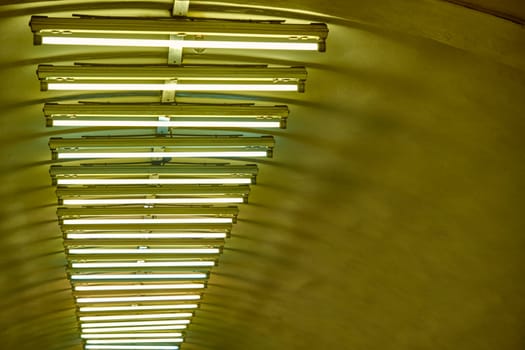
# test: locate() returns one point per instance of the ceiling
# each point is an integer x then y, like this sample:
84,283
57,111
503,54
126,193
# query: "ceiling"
391,216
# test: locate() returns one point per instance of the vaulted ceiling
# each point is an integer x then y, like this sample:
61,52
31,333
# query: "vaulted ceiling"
391,216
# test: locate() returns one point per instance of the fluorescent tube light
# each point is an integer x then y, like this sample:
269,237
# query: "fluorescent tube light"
204,211
147,221
196,181
139,287
142,264
167,124
161,154
131,347
171,87
143,201
138,298
133,340
97,251
165,115
130,329
129,335
146,236
170,147
99,325
182,44
138,317
152,175
197,34
139,276
144,195
153,78
137,307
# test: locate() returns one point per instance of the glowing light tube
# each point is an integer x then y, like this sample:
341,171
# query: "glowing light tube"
131,329
137,299
140,287
138,317
97,251
182,44
195,181
142,264
171,87
145,201
131,347
193,154
133,340
128,335
182,235
136,307
167,124
100,325
147,221
139,276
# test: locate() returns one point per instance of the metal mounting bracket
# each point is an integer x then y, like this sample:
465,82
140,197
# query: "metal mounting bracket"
180,7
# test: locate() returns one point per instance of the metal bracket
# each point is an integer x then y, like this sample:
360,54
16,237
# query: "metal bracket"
163,130
180,7
168,96
175,52
158,160
174,58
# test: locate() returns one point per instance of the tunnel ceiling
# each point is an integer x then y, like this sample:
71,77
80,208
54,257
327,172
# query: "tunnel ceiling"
390,217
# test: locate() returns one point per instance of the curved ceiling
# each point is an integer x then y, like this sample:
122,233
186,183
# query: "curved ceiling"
390,217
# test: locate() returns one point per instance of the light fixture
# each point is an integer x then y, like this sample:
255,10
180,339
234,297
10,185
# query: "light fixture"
165,115
161,147
126,287
138,276
147,221
181,78
131,347
136,307
129,329
148,215
141,251
142,264
140,318
185,33
142,226
84,300
128,335
152,181
84,325
146,236
151,195
133,341
149,201
168,174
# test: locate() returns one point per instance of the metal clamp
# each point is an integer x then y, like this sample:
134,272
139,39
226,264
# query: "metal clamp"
180,7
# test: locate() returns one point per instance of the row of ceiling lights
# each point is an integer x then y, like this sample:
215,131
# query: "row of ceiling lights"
142,232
